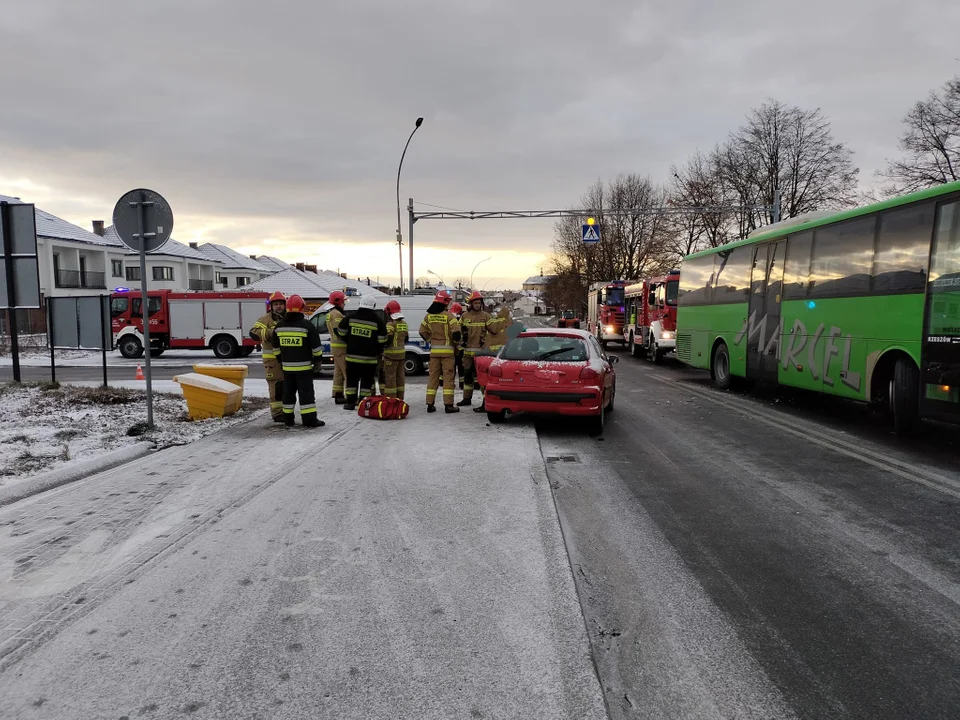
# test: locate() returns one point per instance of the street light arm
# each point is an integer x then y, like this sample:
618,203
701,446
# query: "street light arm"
400,167
475,269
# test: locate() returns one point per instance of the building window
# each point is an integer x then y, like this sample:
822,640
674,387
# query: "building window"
163,273
117,266
133,273
241,281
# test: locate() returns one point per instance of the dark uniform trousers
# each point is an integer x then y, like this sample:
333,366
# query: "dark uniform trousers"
299,382
362,374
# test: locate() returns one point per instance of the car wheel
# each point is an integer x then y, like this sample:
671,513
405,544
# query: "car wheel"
720,367
130,347
224,346
613,396
496,417
597,421
412,364
905,397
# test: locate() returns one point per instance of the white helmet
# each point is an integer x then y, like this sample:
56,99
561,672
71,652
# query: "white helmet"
368,301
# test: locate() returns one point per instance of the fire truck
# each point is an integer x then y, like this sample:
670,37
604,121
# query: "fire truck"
652,309
220,321
606,311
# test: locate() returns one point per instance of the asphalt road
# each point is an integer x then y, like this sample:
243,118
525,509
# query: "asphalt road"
770,555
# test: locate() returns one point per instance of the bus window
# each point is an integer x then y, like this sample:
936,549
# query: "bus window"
118,306
696,280
842,258
903,247
733,276
944,304
796,270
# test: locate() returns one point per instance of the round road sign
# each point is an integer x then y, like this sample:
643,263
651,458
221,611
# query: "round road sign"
157,220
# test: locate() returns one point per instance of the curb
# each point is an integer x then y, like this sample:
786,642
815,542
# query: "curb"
79,471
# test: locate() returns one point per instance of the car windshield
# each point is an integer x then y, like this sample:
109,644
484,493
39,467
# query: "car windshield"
555,348
568,314
673,287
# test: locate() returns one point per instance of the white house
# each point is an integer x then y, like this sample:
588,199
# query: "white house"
175,266
236,269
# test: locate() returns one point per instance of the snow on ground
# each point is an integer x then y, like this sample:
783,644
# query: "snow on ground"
45,427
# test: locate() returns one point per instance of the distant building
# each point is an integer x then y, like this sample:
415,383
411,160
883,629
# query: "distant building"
537,283
175,266
236,269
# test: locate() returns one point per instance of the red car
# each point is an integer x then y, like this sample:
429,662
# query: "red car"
559,371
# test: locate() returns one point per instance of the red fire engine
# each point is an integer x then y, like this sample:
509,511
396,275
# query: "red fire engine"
605,311
220,321
652,307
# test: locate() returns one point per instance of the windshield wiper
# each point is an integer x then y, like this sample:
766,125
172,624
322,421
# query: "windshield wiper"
552,353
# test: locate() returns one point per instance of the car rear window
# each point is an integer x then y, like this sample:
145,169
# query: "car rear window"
545,347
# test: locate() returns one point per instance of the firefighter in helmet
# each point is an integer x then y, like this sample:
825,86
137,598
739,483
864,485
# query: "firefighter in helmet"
365,335
300,350
475,323
338,348
496,338
261,331
394,354
441,329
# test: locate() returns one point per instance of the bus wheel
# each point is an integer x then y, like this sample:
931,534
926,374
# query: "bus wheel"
720,367
905,397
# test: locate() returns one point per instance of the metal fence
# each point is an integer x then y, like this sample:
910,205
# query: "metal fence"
31,330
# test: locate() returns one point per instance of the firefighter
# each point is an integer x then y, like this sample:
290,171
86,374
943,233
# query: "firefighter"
441,329
261,332
457,310
496,338
394,354
474,324
300,349
338,348
365,335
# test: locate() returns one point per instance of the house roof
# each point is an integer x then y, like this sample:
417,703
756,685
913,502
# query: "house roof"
231,259
538,279
50,226
171,248
272,263
333,280
294,282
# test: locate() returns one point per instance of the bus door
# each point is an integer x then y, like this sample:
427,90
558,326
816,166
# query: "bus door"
766,285
940,355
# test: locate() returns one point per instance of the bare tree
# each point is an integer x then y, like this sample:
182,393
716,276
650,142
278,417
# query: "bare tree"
930,143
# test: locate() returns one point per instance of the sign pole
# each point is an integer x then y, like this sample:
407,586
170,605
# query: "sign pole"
106,338
53,357
6,228
145,307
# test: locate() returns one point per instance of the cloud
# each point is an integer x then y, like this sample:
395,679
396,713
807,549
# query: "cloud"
285,121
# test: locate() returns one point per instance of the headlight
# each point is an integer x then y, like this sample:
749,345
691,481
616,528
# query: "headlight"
610,329
668,336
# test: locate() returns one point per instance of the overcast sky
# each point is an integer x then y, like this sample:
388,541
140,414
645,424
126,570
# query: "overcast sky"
276,127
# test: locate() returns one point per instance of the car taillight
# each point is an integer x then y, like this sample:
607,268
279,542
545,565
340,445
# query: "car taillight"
496,371
589,374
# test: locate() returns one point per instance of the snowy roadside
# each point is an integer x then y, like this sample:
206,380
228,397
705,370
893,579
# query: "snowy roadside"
47,427
94,358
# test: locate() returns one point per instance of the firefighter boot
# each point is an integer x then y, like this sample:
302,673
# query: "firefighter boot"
451,409
338,399
431,408
313,421
466,402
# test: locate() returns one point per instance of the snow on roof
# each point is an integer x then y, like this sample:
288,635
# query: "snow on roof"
50,226
231,259
328,277
171,248
538,279
294,282
272,263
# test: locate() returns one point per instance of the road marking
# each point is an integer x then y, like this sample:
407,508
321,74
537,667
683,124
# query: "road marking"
922,476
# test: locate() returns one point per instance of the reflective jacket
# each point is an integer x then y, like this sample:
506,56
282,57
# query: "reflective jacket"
298,341
397,334
337,345
365,335
261,331
442,330
475,326
497,331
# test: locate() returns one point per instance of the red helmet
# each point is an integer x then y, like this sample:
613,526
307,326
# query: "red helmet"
475,295
456,309
337,298
277,296
392,307
295,304
442,297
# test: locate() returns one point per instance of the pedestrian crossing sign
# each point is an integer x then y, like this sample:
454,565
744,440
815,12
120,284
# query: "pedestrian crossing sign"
591,234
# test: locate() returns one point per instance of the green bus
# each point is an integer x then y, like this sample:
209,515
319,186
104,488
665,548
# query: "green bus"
863,304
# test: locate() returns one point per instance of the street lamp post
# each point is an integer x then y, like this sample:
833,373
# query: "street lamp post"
399,233
438,277
475,269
